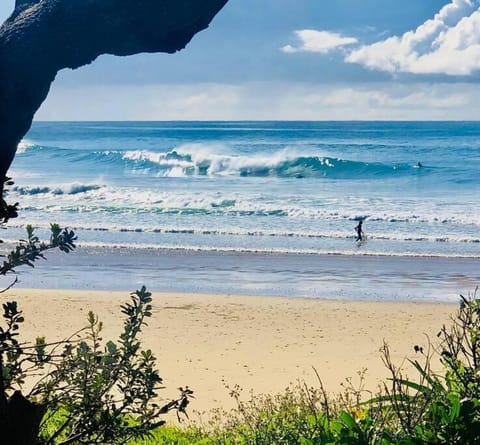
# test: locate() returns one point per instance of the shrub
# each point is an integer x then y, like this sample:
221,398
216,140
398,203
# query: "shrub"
104,393
439,408
91,392
301,415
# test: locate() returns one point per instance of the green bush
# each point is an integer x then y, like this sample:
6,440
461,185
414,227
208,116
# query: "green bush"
439,408
301,415
90,391
104,393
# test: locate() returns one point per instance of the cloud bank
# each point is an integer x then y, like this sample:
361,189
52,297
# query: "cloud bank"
265,101
318,42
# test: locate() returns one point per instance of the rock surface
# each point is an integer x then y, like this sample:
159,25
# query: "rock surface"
42,37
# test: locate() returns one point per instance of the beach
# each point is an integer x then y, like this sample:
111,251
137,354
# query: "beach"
301,202
245,233
263,344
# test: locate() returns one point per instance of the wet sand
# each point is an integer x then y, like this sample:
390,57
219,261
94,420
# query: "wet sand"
349,277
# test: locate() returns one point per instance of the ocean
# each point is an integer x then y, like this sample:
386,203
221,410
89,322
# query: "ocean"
275,204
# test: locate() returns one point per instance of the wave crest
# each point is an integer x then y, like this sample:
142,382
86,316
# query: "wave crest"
24,146
67,189
188,161
200,159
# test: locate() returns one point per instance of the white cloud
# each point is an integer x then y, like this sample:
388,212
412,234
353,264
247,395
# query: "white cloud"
265,101
318,41
449,43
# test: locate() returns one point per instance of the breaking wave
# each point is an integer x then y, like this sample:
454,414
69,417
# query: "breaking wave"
283,164
205,160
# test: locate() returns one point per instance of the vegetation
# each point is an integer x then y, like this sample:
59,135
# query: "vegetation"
432,409
89,392
104,394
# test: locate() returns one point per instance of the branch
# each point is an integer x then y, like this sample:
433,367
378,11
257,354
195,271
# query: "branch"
10,285
42,37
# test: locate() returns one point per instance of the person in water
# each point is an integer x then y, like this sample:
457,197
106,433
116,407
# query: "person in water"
359,230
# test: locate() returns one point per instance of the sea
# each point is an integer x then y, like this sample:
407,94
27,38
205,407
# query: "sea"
264,208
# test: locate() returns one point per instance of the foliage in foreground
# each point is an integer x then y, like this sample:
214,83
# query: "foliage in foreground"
435,408
91,392
105,393
88,392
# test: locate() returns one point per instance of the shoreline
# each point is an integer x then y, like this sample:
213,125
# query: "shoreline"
372,278
260,252
348,247
262,344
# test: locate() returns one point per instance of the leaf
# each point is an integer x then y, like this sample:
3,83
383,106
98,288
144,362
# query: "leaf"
388,398
455,405
418,387
348,420
430,378
112,348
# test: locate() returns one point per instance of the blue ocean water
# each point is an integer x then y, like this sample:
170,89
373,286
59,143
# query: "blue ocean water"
283,187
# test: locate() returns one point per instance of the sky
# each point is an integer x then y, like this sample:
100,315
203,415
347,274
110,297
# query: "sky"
293,60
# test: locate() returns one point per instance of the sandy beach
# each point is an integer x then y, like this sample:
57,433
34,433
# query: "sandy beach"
262,344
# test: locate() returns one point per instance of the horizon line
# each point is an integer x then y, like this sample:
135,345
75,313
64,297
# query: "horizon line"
256,120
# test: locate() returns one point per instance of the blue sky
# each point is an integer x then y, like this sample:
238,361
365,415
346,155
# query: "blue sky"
293,59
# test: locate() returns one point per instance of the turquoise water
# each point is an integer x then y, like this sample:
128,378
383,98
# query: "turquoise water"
282,187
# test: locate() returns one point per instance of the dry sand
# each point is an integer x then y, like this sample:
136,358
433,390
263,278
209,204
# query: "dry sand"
260,343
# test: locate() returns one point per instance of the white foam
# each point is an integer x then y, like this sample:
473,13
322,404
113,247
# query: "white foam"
217,160
24,145
274,250
58,189
103,198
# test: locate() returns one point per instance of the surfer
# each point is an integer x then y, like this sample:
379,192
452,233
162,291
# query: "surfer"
359,230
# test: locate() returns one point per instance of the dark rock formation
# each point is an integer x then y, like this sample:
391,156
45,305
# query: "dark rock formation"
44,36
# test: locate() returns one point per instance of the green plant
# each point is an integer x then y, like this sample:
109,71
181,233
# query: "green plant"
105,393
301,415
438,407
435,408
90,392
19,417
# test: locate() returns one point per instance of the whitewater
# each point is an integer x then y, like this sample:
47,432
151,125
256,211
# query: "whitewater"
257,185
280,188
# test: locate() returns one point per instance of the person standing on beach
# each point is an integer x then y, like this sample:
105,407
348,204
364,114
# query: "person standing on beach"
359,230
